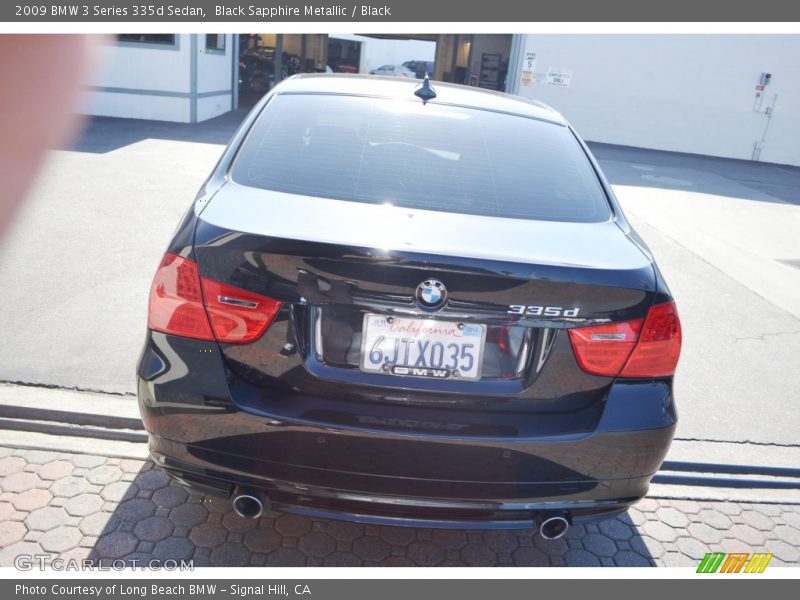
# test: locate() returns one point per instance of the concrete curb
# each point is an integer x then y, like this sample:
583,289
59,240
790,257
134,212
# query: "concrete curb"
42,418
72,401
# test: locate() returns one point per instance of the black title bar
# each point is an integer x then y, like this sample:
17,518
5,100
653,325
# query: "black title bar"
440,11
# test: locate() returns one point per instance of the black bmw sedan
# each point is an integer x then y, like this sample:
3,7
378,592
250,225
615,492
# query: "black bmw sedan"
410,303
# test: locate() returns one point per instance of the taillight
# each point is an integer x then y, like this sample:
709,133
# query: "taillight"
659,346
176,301
647,347
229,314
237,316
603,349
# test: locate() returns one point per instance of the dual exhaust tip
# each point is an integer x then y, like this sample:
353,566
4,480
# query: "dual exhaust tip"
553,527
249,505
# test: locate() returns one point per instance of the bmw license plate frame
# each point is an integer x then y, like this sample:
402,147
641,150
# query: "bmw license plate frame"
423,333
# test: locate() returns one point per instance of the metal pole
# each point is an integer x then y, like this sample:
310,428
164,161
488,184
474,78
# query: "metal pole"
454,64
515,58
468,70
760,144
235,76
278,58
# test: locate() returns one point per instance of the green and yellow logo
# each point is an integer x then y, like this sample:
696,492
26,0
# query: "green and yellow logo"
734,562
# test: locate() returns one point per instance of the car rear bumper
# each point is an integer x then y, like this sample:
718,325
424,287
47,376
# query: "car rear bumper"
346,499
393,474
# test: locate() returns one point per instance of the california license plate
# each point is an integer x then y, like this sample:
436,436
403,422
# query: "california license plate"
422,347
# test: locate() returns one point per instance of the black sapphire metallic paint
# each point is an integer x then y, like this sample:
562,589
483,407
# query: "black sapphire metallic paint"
292,416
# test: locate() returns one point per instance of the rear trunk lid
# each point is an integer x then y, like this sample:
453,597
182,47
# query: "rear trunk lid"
517,283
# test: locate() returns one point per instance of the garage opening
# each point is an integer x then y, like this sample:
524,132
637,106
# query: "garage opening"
267,58
479,60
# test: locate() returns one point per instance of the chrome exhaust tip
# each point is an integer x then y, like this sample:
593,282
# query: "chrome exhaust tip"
248,506
554,527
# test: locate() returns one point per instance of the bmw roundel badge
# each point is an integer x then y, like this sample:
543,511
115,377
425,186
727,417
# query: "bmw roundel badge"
431,293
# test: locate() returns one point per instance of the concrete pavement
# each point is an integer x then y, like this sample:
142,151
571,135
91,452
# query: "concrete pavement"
78,262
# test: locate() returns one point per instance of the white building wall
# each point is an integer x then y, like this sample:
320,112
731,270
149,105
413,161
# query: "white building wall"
182,83
137,106
145,66
214,68
685,93
215,79
142,81
211,106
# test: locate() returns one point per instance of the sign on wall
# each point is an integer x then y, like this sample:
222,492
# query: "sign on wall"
559,77
528,66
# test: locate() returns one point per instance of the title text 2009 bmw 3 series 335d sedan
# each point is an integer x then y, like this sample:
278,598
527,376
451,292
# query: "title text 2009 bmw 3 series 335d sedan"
410,304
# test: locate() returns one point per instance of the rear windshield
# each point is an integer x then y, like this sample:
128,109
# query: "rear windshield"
411,155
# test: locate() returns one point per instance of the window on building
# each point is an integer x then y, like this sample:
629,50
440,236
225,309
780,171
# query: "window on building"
215,41
161,39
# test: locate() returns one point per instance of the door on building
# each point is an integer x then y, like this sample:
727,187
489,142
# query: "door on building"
482,60
344,56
